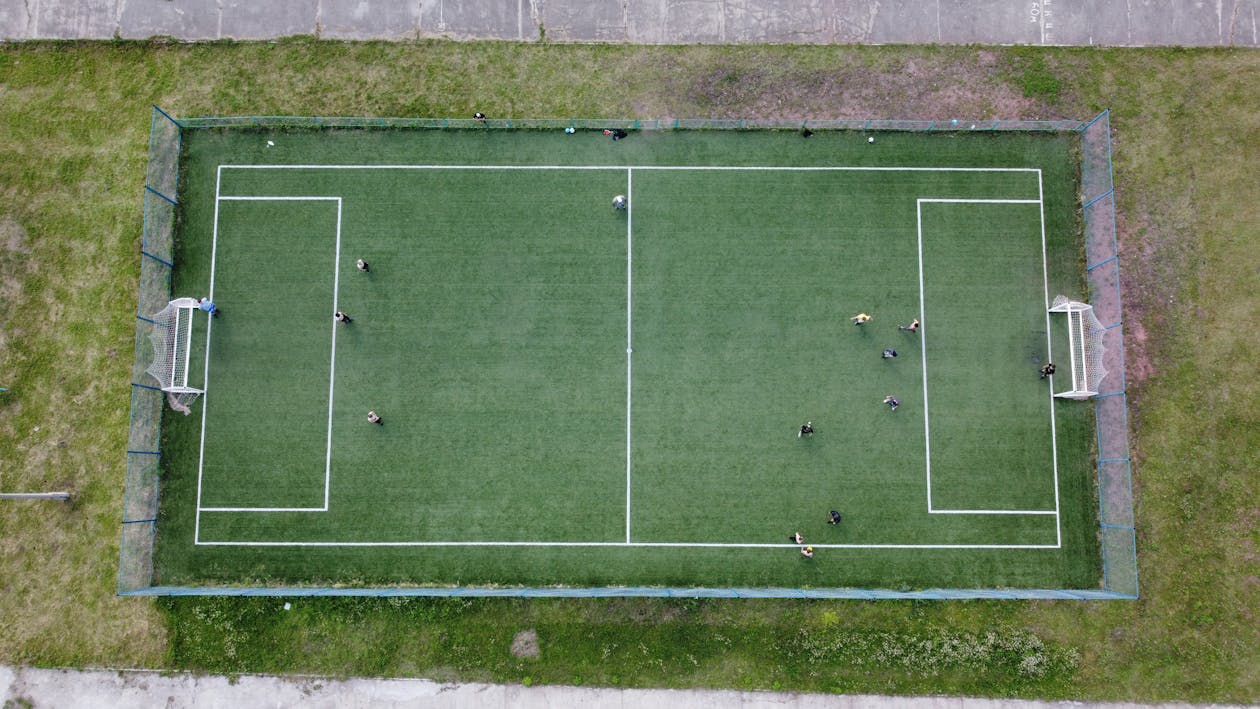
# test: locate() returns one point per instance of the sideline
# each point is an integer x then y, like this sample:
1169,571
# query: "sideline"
72,689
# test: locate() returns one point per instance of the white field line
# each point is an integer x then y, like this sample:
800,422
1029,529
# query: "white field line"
926,429
927,433
262,509
1054,436
934,200
705,545
629,341
785,168
299,198
992,512
332,363
628,543
205,372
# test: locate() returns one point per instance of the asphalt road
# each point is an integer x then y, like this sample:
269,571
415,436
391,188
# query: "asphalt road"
1025,22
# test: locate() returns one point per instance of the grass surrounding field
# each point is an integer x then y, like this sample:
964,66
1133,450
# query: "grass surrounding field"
492,334
73,136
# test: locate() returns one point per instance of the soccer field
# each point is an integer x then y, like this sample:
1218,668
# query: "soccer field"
574,395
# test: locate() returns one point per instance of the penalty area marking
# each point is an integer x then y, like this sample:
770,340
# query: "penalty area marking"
206,372
923,343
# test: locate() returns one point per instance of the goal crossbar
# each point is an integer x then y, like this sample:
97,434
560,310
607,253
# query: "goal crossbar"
1085,347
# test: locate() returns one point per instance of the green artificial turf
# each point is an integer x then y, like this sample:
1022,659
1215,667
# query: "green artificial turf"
558,378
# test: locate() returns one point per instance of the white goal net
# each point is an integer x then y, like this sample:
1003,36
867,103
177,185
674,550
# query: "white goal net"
172,349
1085,343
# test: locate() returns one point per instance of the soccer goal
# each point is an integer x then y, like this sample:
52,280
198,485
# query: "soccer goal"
172,348
1085,343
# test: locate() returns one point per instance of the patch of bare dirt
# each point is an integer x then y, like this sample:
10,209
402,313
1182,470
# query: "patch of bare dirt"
525,644
748,87
13,243
635,610
1248,519
1157,258
12,235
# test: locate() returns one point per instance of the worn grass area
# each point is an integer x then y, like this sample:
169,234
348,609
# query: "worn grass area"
73,131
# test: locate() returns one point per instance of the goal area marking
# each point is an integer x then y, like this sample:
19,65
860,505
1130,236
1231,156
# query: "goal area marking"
629,170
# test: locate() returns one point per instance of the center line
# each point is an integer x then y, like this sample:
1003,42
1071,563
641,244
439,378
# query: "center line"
629,349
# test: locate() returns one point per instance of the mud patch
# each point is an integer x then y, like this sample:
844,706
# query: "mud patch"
525,644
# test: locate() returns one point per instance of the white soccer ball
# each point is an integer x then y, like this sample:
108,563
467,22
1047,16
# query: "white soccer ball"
871,139
270,143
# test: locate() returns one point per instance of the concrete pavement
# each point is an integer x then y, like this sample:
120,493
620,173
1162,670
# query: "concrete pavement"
29,687
1026,22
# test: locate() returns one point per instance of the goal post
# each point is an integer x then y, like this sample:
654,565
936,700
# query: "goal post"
1085,346
172,350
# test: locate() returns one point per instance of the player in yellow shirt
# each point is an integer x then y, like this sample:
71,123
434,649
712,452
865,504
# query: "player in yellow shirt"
860,319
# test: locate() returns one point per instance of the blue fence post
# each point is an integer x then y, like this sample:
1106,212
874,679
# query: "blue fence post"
168,116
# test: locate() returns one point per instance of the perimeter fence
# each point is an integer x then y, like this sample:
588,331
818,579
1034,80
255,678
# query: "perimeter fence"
954,125
157,261
1115,494
1102,258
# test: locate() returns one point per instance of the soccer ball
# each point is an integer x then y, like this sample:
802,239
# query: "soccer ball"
871,139
570,130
